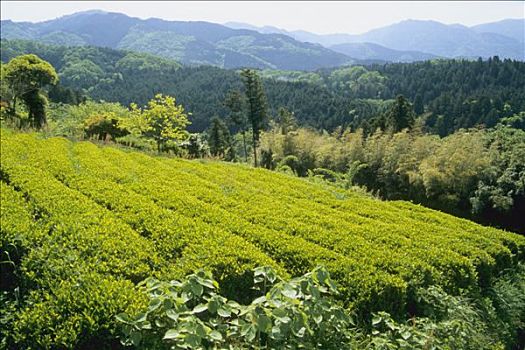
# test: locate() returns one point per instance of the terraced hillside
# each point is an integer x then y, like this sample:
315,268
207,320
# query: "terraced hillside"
84,223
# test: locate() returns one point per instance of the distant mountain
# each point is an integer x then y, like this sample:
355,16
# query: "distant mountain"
420,38
370,51
443,40
513,28
264,29
301,35
191,43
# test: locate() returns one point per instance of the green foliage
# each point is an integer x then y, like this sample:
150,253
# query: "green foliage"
293,76
286,315
103,126
473,173
500,193
162,120
257,106
197,146
492,321
93,221
25,76
286,120
219,139
81,72
453,94
236,103
70,120
303,313
75,313
400,116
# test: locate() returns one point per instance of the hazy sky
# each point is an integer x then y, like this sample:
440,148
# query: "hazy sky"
320,17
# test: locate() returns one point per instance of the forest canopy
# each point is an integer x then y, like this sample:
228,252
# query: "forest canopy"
448,94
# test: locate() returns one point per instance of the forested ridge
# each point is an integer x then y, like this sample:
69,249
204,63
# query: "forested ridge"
451,94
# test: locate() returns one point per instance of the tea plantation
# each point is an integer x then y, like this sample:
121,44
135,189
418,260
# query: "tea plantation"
82,224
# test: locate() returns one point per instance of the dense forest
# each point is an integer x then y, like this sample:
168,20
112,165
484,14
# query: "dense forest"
448,94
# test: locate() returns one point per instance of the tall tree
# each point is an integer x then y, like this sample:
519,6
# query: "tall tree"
218,137
236,103
26,76
418,105
400,116
257,106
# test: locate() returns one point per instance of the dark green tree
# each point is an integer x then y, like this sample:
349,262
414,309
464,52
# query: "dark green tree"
236,103
400,116
219,139
257,106
418,105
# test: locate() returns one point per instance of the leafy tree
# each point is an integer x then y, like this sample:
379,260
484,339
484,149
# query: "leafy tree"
71,120
162,120
400,116
236,103
26,76
500,194
369,84
104,126
218,137
5,91
257,106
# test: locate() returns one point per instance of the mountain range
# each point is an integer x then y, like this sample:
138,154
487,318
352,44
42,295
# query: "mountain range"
235,45
414,40
192,43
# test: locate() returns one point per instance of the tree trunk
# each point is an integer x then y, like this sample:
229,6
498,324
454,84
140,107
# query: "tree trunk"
13,108
254,151
244,144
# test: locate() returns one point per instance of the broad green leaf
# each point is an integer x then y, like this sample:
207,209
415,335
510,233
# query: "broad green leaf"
200,308
223,312
263,323
124,318
217,336
172,314
171,334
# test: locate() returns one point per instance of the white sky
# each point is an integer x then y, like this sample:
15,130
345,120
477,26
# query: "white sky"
319,17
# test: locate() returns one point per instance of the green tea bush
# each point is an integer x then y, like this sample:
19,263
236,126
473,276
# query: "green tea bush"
77,213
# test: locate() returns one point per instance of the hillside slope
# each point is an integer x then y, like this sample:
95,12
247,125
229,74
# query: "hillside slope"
84,213
192,43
